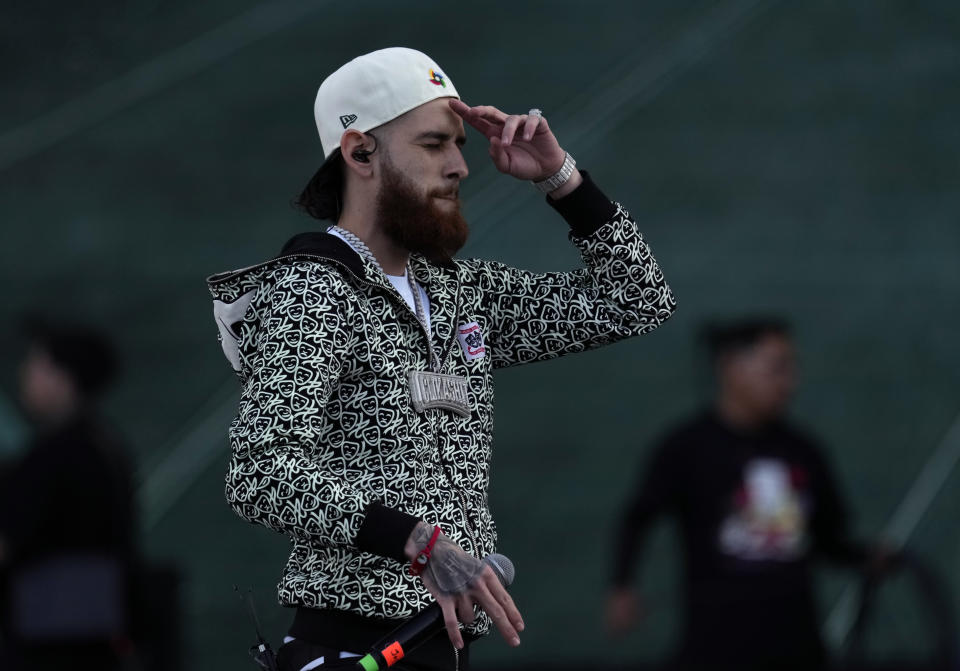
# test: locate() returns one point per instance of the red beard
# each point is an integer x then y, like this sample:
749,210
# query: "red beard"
415,222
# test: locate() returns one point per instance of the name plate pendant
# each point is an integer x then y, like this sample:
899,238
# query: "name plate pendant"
438,390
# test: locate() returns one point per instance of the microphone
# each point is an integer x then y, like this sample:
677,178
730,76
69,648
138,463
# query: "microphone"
424,625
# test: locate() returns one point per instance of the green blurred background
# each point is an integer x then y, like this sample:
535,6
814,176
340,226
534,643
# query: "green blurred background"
794,158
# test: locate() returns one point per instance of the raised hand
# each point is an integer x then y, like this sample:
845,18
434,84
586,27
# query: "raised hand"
521,145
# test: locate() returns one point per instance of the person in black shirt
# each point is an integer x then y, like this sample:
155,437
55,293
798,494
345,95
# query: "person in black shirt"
66,511
755,501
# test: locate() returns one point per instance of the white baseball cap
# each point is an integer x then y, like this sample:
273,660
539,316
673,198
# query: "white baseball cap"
376,88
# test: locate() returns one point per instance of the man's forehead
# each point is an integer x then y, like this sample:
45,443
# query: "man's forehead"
434,116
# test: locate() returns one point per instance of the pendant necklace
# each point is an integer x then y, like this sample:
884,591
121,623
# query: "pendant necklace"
428,389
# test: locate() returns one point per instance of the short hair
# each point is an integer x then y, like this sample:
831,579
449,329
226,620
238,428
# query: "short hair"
723,338
322,198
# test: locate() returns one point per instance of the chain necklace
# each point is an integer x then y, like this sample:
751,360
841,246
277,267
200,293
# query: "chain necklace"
428,389
361,248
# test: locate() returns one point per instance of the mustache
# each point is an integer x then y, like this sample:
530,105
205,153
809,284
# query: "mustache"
452,193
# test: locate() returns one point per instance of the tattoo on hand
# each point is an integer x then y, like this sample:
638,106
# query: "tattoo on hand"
450,568
421,534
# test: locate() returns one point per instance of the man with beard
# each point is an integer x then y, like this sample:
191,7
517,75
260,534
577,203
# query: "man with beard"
366,356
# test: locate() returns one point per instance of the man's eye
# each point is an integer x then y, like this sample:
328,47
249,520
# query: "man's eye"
432,146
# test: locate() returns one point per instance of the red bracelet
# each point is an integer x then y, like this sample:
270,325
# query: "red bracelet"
420,561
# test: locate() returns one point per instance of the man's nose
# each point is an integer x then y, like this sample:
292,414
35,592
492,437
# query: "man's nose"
458,166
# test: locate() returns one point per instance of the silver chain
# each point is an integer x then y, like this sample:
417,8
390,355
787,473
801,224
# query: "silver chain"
361,247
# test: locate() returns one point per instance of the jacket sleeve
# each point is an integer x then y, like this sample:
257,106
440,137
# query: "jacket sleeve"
276,475
619,292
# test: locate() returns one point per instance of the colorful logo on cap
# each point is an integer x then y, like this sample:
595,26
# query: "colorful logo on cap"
436,78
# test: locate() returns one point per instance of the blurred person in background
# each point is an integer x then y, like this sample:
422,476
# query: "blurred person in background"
756,502
366,355
66,510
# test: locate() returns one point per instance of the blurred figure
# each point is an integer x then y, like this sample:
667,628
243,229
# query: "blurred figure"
66,514
755,501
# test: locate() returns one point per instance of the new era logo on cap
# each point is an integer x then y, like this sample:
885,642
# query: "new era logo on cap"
348,119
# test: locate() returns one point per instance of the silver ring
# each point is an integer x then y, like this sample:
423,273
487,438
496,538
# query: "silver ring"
535,112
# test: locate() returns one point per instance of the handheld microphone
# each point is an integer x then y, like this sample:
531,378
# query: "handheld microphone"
423,626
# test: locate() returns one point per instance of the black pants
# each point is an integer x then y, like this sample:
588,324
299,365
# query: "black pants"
327,633
297,654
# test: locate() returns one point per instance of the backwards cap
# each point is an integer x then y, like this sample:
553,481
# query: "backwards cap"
376,88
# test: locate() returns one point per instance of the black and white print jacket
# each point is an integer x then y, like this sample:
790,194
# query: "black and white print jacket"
326,447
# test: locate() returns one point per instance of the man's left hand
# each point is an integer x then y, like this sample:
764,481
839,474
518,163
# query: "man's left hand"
521,145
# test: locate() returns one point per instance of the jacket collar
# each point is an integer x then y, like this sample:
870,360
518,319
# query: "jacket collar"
321,243
442,287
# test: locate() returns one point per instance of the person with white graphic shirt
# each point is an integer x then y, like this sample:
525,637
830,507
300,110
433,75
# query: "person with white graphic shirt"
756,503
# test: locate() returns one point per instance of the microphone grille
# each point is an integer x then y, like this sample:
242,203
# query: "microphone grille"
502,566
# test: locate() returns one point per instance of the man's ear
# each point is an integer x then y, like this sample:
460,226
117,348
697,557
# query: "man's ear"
356,148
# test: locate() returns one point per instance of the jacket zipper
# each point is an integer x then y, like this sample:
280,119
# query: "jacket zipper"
463,496
397,297
441,361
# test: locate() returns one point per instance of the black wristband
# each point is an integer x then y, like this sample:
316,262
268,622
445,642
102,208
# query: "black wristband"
586,208
385,531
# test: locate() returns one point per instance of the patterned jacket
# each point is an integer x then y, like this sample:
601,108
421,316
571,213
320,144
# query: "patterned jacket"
326,447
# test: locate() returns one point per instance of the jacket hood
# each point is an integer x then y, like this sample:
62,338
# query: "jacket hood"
234,290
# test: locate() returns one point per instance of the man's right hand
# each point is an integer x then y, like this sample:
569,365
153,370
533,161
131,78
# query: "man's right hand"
457,581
